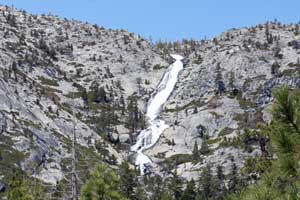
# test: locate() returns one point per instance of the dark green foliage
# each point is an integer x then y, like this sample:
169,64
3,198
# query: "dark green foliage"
140,193
207,183
17,189
256,165
231,80
275,68
158,187
281,179
101,148
128,180
234,182
46,81
98,95
220,85
85,98
106,120
201,130
196,155
103,184
204,147
177,159
50,51
158,67
11,20
135,119
248,138
21,187
297,29
190,191
220,186
198,60
175,186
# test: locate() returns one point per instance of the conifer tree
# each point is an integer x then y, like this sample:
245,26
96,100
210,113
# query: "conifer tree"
175,186
231,80
190,191
17,189
103,184
220,187
207,183
219,80
21,187
204,147
281,180
196,155
140,193
234,179
158,188
128,181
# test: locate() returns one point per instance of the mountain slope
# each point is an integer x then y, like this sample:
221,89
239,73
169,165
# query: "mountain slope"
57,73
224,89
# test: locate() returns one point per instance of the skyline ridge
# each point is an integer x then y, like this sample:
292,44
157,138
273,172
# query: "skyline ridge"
168,20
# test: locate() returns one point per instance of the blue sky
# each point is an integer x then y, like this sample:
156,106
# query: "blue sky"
168,19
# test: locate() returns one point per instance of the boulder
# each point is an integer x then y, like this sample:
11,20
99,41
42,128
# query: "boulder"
37,157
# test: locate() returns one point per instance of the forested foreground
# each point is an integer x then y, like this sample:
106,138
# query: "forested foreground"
281,178
277,173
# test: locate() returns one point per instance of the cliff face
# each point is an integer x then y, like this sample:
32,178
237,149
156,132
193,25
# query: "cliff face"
224,89
55,73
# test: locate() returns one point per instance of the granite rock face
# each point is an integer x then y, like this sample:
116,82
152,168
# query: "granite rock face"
59,75
225,87
56,74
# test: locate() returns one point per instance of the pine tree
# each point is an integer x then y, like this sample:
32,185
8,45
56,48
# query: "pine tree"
139,82
195,111
220,187
207,183
17,189
103,184
11,20
135,118
281,180
157,187
175,186
190,191
275,68
233,185
22,187
120,59
122,105
285,135
231,80
219,80
140,193
85,98
204,147
128,181
101,95
196,155
296,32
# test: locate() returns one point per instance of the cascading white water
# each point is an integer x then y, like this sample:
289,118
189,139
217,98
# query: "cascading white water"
148,137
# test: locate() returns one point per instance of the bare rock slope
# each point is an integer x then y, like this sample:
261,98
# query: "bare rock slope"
59,75
224,89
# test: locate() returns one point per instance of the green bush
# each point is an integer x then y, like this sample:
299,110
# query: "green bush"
46,81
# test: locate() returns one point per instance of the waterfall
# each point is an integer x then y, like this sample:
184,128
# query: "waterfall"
149,136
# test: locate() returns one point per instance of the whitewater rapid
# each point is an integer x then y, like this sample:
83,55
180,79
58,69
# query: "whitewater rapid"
148,137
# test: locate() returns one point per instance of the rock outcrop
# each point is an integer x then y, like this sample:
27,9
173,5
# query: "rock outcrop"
57,75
